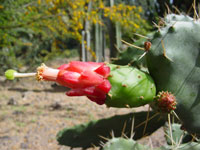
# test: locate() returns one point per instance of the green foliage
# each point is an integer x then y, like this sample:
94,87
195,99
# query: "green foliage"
173,63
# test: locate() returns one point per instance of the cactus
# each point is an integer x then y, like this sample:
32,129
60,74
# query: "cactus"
130,87
123,144
176,135
173,63
88,134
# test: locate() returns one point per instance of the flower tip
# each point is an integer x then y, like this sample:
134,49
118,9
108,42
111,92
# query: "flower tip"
9,74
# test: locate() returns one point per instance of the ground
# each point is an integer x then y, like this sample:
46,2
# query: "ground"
32,113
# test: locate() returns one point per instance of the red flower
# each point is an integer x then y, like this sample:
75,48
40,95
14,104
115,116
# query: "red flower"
84,78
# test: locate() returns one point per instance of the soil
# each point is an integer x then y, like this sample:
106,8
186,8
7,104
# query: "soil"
32,113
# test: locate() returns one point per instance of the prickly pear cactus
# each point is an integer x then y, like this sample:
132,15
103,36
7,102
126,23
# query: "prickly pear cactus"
130,87
174,64
123,144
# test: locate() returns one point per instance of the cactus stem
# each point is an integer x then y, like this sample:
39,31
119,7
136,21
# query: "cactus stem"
22,75
12,74
164,51
140,48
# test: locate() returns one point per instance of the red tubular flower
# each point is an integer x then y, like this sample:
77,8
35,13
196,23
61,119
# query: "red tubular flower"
83,78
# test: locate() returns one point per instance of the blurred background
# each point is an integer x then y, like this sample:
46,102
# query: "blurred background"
34,31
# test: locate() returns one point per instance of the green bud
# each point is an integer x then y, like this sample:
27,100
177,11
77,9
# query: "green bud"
9,74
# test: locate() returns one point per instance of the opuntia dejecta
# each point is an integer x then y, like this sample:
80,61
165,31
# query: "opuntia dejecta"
173,63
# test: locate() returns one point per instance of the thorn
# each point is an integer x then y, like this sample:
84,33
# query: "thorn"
101,144
142,55
188,12
140,48
147,118
174,113
132,127
105,138
170,129
194,137
117,48
150,143
196,16
94,146
112,134
178,11
114,58
164,51
142,36
123,130
124,135
180,140
169,138
168,9
157,26
127,106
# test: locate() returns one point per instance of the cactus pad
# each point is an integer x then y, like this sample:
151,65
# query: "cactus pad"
174,64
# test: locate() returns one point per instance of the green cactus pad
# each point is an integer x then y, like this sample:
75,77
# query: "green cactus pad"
174,64
124,144
130,87
9,74
88,134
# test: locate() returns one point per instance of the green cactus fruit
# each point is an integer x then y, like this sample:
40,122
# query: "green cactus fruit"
9,74
124,144
174,64
130,87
